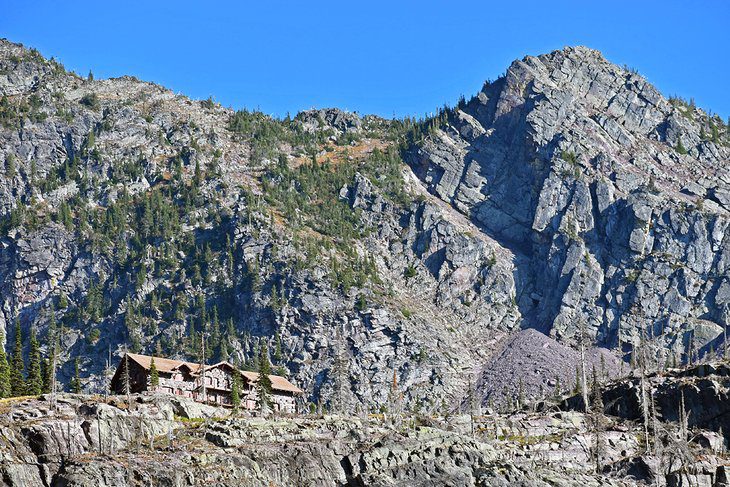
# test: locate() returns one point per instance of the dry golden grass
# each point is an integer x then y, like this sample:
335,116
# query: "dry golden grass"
337,154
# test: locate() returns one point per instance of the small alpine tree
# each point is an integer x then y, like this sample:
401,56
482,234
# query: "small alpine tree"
17,365
47,372
10,166
278,355
76,381
223,354
154,374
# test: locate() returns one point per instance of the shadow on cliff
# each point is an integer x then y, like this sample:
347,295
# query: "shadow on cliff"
512,168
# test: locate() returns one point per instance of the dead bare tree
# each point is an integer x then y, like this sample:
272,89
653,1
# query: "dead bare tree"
724,333
597,422
202,366
644,399
54,367
98,428
108,375
677,455
126,382
473,401
394,400
655,425
584,384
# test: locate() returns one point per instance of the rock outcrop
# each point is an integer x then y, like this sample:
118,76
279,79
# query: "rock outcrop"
85,441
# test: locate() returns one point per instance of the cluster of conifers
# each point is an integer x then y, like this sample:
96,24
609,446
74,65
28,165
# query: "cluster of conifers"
31,373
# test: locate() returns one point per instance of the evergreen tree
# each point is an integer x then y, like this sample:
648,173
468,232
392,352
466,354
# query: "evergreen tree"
126,386
34,383
215,331
361,303
230,328
278,356
141,277
255,356
263,385
17,366
75,384
90,140
47,373
223,355
10,166
198,175
154,374
680,147
52,348
235,391
5,389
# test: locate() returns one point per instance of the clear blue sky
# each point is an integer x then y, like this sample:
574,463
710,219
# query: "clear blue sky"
393,57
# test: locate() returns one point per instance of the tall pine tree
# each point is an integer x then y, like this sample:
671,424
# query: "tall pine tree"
49,362
263,385
34,383
17,365
5,390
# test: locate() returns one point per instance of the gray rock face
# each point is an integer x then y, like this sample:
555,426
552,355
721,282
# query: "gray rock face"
571,163
329,118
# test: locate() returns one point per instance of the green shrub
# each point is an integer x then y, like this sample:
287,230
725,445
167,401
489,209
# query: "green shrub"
90,100
409,272
93,336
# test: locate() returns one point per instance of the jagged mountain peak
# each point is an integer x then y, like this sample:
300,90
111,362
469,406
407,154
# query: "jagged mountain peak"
589,172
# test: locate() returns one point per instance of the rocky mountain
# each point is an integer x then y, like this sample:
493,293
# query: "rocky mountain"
369,256
165,440
611,198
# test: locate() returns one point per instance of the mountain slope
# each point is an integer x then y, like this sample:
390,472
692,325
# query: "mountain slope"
559,196
137,218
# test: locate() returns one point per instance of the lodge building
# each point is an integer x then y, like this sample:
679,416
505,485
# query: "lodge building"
180,378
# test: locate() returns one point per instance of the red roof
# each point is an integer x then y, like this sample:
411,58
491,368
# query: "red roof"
162,364
277,382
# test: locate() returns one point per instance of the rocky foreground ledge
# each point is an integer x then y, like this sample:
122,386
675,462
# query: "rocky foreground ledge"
167,441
